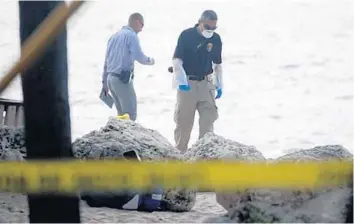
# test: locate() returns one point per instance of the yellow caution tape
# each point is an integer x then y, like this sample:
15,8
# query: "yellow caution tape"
72,176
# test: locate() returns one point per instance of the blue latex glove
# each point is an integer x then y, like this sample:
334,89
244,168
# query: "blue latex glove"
218,93
184,87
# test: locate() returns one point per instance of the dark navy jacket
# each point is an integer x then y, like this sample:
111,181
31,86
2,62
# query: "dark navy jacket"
198,52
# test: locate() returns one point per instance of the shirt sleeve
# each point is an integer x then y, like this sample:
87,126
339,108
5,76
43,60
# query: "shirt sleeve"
218,53
179,51
137,52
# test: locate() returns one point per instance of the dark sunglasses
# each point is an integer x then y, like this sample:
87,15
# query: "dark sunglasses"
207,27
142,23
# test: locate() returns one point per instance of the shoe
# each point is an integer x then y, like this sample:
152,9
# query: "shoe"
123,117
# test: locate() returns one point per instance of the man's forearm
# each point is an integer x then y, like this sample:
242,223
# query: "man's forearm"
142,58
137,52
181,76
104,76
104,79
218,71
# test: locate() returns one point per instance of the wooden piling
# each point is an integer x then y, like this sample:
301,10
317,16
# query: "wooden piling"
47,113
11,113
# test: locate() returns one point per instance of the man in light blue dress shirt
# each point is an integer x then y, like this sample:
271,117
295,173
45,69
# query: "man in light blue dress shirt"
123,49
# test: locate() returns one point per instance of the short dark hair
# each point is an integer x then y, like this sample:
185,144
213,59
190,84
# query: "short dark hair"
209,15
135,16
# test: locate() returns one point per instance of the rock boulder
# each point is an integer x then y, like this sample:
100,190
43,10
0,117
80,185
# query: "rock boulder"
119,136
111,141
12,143
215,147
267,205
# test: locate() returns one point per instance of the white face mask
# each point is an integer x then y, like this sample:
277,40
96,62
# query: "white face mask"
208,33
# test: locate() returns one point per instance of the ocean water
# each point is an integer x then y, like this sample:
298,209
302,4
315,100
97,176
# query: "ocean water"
288,68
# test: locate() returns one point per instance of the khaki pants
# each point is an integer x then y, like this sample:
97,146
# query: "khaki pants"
200,97
124,96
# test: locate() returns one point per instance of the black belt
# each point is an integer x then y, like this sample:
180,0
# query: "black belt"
196,78
124,76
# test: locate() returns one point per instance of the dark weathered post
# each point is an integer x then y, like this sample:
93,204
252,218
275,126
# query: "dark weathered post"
47,113
349,215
